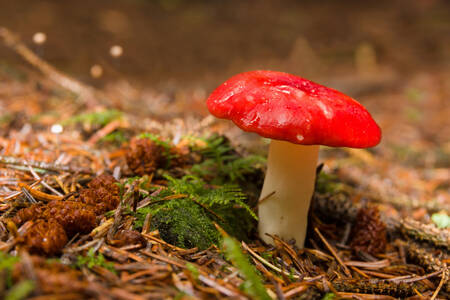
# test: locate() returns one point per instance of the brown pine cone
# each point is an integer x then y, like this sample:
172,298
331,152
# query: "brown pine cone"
144,156
179,157
102,194
45,238
369,232
74,217
105,180
101,199
27,214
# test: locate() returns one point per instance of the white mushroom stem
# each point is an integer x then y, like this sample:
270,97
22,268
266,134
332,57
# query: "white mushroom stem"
287,191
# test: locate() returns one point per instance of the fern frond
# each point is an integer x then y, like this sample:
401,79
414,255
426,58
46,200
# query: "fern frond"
223,164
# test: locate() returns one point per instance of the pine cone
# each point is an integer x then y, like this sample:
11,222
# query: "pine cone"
74,217
45,238
105,180
101,199
27,214
144,156
369,232
102,194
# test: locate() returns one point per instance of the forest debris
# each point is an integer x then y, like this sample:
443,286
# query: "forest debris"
369,232
107,129
73,216
53,277
38,195
265,262
374,286
45,238
9,160
427,260
333,252
128,237
147,266
102,193
426,233
144,156
340,207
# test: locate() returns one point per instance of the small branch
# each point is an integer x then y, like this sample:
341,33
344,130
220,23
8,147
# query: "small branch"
426,233
333,252
10,160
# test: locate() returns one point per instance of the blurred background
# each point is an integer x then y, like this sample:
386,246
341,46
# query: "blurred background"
182,42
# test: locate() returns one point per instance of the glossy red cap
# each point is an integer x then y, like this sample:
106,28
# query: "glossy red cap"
286,107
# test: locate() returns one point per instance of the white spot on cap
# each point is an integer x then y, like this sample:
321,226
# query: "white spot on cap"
299,94
326,111
300,137
250,98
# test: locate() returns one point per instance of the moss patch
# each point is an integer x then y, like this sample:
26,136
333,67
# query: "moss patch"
186,225
188,220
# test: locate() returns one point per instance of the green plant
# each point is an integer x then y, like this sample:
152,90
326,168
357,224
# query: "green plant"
327,183
442,220
187,221
253,284
223,164
7,263
329,296
115,137
92,259
100,118
20,291
14,291
193,269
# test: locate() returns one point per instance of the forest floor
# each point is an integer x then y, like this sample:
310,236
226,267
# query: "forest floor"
113,191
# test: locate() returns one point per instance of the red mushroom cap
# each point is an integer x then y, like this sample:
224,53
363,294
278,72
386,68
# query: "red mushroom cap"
286,107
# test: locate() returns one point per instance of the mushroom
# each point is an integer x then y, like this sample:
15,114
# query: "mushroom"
297,115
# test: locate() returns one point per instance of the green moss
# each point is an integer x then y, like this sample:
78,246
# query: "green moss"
328,184
189,221
235,221
186,225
